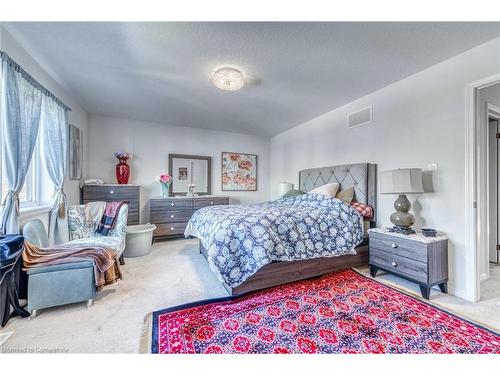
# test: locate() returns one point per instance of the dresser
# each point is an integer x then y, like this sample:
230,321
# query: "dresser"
115,192
171,215
423,260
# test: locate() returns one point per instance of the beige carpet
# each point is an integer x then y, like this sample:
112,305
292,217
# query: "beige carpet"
485,312
174,273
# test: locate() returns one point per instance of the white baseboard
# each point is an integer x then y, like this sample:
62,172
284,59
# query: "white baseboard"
458,293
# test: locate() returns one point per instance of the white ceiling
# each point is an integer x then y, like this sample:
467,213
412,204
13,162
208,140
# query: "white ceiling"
161,72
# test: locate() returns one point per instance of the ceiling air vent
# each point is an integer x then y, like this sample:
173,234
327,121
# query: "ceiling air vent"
361,117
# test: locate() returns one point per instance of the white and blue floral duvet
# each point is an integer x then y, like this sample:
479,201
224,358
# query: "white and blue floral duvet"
240,239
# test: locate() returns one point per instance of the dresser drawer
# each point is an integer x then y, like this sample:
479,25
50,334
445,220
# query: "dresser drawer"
170,216
399,265
399,246
169,229
214,201
170,204
113,193
109,193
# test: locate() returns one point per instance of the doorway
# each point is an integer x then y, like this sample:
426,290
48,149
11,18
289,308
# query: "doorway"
494,180
488,105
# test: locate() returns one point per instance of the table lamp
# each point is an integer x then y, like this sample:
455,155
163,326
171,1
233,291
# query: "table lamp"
402,182
284,188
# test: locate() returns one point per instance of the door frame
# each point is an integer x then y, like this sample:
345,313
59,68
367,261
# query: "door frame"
474,203
492,111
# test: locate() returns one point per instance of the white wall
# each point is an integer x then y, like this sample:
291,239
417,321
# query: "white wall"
150,144
77,116
416,121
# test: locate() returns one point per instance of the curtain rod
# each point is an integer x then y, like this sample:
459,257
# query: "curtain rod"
32,80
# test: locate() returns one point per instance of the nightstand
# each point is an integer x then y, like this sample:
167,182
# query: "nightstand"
423,260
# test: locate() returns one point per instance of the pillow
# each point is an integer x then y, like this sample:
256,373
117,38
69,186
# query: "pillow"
365,210
293,193
346,195
330,190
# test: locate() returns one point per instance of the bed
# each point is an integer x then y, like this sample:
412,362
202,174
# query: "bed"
329,223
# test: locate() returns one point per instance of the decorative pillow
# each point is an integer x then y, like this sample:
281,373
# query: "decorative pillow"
330,190
293,193
346,195
363,209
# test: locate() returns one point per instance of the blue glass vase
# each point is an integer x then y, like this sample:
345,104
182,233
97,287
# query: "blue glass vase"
164,190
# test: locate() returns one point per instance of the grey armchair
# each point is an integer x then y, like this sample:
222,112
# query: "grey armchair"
67,283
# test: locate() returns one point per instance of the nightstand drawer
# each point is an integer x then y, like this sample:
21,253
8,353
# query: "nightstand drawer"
399,265
399,246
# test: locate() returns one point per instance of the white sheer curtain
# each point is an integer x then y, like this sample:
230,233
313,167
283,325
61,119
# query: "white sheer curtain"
21,108
53,137
26,107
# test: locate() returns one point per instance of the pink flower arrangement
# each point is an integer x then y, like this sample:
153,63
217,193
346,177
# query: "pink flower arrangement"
165,181
165,178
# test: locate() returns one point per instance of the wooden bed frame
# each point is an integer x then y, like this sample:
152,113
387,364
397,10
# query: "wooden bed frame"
278,273
360,176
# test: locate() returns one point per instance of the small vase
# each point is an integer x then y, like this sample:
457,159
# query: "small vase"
122,171
164,190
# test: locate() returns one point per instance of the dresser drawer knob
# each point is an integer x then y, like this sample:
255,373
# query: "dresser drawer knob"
111,192
211,202
172,204
171,216
394,263
394,245
171,228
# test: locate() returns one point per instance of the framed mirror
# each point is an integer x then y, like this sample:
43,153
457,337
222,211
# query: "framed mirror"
190,169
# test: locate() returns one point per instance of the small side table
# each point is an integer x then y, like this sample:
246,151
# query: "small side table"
420,259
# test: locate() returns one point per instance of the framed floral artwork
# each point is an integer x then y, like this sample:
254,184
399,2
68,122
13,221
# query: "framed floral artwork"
239,172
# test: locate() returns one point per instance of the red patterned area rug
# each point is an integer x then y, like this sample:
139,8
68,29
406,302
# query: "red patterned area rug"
343,312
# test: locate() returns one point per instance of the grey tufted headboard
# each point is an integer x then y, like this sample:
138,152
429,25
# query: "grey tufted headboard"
362,176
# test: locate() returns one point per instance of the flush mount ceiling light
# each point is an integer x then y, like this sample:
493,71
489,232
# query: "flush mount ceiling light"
228,79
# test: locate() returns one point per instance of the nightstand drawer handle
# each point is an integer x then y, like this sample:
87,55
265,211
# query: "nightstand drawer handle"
171,216
394,264
171,228
211,202
172,204
394,245
111,192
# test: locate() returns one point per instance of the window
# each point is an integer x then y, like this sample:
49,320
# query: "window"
28,194
31,192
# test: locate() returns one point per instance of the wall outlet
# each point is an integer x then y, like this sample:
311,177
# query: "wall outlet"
432,167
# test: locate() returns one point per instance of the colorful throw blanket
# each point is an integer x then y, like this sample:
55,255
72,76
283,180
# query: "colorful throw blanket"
109,218
105,261
240,239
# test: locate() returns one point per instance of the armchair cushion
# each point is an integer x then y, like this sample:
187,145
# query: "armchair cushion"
79,228
114,242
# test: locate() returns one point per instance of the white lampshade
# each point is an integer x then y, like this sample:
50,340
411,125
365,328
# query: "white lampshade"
284,188
401,181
